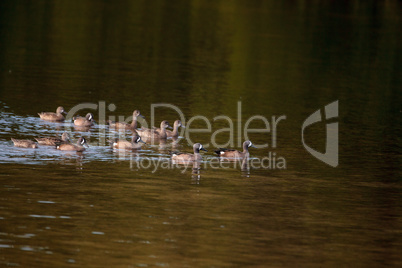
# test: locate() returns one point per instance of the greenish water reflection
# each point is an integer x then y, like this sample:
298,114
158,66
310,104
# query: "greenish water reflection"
278,58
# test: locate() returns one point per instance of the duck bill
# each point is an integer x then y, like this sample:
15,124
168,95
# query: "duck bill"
204,149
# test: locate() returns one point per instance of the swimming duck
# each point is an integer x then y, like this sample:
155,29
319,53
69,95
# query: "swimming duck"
175,132
54,140
125,125
49,116
24,143
230,153
86,121
79,147
124,144
186,157
154,133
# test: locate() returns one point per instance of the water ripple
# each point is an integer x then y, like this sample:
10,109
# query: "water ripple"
20,127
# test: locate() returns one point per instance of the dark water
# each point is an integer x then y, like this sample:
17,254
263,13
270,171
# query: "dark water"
208,58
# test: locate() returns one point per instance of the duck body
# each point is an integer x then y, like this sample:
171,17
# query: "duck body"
120,125
187,157
79,147
24,143
50,116
175,132
53,140
124,125
86,121
230,153
155,133
124,144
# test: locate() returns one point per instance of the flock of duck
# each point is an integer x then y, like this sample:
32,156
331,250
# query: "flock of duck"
140,136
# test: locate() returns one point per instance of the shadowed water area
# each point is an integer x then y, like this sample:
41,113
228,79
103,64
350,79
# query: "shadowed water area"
233,59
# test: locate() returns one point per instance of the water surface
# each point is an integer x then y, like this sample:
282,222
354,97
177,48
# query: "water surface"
104,208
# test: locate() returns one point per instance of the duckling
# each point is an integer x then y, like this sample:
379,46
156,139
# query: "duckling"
123,144
86,121
65,138
24,143
133,124
230,153
175,132
186,157
49,116
79,147
155,134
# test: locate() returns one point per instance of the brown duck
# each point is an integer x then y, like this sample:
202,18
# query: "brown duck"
124,144
79,147
124,125
186,157
230,153
65,138
57,116
24,143
86,121
175,132
155,133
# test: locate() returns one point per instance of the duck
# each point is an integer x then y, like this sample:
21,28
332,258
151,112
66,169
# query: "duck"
65,138
86,121
175,132
50,116
154,133
79,147
231,153
124,144
187,157
125,125
24,143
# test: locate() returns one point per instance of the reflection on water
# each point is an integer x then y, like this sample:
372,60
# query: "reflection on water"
117,208
138,217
